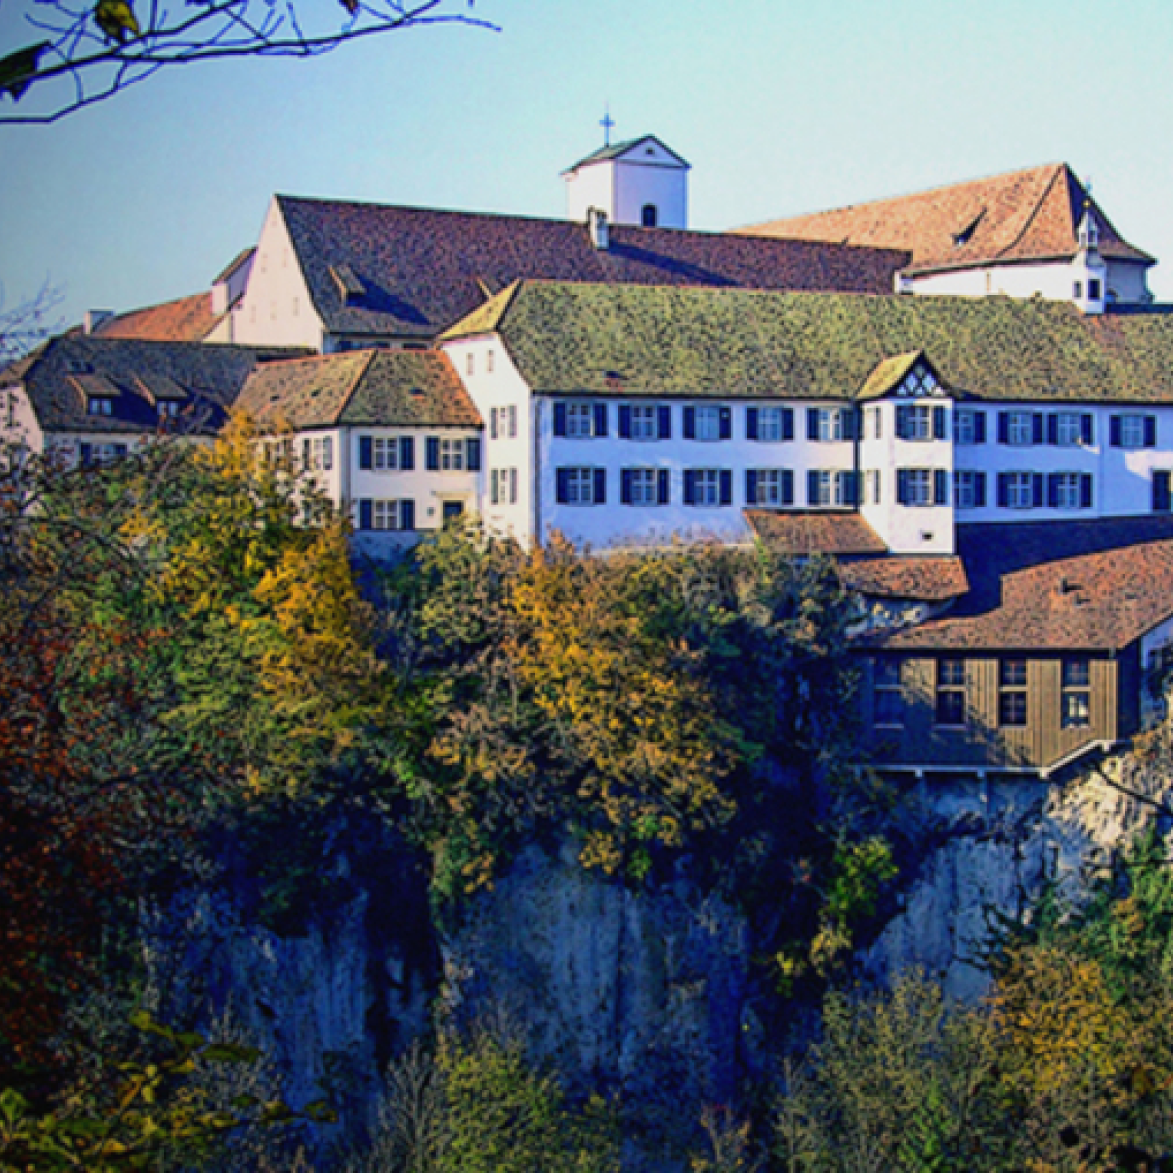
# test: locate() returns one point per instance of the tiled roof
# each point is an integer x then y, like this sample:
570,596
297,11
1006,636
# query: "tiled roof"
422,269
187,319
801,533
616,150
930,579
135,374
371,387
1028,215
889,374
1090,586
638,340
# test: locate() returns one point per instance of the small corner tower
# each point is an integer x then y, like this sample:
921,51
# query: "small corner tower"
639,182
1089,271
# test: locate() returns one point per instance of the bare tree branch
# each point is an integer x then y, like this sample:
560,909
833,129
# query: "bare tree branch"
87,54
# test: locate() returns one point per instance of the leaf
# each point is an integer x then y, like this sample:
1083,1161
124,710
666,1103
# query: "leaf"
230,1053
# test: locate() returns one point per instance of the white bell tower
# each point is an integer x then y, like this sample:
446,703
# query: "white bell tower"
640,182
1089,270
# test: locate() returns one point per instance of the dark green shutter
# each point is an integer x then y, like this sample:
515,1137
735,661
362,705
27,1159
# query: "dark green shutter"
559,419
690,423
751,486
406,453
600,494
365,459
600,413
433,453
364,514
407,515
625,486
726,424
751,423
624,421
726,487
664,421
473,453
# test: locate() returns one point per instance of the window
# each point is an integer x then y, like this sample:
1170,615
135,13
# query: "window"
922,487
100,405
490,358
503,422
950,709
1020,428
645,421
872,482
1077,289
471,364
317,453
452,454
828,424
706,423
644,486
448,454
1075,695
92,454
1133,431
168,409
378,514
920,421
1162,491
969,426
1020,490
1012,696
581,486
887,692
769,486
877,422
827,487
770,425
1093,289
580,421
1067,429
969,489
708,487
1069,490
503,486
648,216
386,453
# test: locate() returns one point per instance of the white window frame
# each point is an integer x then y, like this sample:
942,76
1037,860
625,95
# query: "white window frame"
706,487
580,486
1068,429
771,428
580,421
918,421
829,424
503,486
100,405
918,483
386,514
644,485
384,454
1132,429
768,486
1020,428
1068,490
964,426
707,422
1020,490
645,421
453,454
965,489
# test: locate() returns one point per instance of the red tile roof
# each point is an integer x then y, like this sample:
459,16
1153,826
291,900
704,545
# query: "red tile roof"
824,531
421,269
1028,215
187,319
928,579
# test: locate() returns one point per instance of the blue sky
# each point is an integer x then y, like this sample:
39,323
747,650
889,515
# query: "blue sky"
780,107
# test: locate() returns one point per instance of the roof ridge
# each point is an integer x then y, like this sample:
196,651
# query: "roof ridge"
360,374
1061,169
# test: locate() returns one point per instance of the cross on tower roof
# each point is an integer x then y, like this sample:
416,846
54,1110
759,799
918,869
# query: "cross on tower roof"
607,122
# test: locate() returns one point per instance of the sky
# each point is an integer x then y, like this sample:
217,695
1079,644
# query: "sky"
781,108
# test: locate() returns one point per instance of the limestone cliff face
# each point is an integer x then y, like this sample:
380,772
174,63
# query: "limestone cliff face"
993,849
644,991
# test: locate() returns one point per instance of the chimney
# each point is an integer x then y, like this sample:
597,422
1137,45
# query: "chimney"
94,319
597,228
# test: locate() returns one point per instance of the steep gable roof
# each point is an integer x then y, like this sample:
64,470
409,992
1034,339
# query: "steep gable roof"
419,270
187,319
618,150
636,340
407,388
1030,215
61,376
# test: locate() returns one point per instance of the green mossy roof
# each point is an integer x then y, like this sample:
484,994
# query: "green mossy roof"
636,340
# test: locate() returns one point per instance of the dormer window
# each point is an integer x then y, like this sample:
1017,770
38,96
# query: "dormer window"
100,405
168,409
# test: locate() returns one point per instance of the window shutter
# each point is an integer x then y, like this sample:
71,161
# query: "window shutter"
726,487
407,515
812,487
751,486
120,451
812,423
1150,431
1114,431
726,424
365,448
979,427
979,490
850,423
559,420
787,487
1036,427
433,453
787,423
1161,492
689,487
495,487
902,421
902,486
600,496
600,419
625,486
364,514
562,486
1052,429
1053,491
1003,489
662,486
850,488
751,423
473,450
1085,428
306,454
940,487
1037,489
86,453
406,453
940,421
624,421
1003,427
493,422
665,423
878,419
690,423
1085,490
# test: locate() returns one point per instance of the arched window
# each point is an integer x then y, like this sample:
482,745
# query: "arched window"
648,216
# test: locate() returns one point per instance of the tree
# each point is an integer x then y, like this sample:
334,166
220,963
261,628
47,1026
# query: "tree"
82,53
